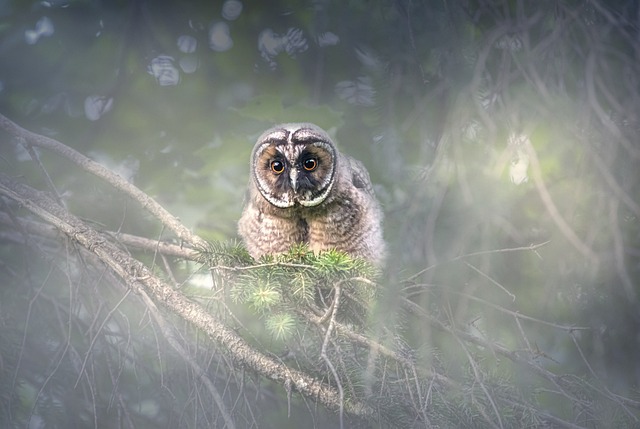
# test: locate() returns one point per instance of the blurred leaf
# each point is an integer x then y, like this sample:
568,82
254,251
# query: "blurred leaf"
270,109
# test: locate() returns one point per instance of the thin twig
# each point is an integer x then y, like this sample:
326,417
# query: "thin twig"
552,209
257,266
619,252
510,312
482,252
110,177
169,335
106,319
376,347
615,398
486,276
323,351
478,378
143,243
36,158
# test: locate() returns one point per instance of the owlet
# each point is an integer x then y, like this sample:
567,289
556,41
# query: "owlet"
302,190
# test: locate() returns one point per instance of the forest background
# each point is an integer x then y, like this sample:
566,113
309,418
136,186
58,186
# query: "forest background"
502,137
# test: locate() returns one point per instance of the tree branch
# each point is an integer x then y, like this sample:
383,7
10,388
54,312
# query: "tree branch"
142,243
139,278
98,170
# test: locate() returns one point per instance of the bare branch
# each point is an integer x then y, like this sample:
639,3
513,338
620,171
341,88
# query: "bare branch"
142,243
98,170
553,211
515,314
332,312
376,347
482,252
138,277
168,333
618,246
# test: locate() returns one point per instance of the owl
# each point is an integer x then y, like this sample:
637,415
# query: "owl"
302,190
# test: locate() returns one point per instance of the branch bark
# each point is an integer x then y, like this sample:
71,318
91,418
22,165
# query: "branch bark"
140,279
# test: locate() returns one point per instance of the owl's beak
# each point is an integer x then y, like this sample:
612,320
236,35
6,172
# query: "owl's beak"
293,178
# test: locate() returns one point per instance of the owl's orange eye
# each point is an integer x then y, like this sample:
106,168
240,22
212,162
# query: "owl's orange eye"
310,164
277,166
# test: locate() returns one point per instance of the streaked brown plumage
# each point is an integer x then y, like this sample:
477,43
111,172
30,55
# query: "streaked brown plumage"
302,190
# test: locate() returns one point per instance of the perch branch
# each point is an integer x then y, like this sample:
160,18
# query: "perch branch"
138,277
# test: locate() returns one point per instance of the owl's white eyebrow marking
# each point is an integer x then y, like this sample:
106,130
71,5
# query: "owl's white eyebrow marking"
306,135
277,137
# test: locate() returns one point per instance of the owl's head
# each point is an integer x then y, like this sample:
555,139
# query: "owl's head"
294,164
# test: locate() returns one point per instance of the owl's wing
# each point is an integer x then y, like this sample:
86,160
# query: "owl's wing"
359,175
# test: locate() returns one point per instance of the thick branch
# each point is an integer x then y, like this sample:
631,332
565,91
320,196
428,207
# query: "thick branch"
139,277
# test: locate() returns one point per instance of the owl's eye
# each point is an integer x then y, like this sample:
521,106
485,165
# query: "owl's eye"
310,164
277,166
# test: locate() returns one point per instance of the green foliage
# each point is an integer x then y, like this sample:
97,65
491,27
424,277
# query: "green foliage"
276,287
428,95
282,326
231,253
263,295
302,287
